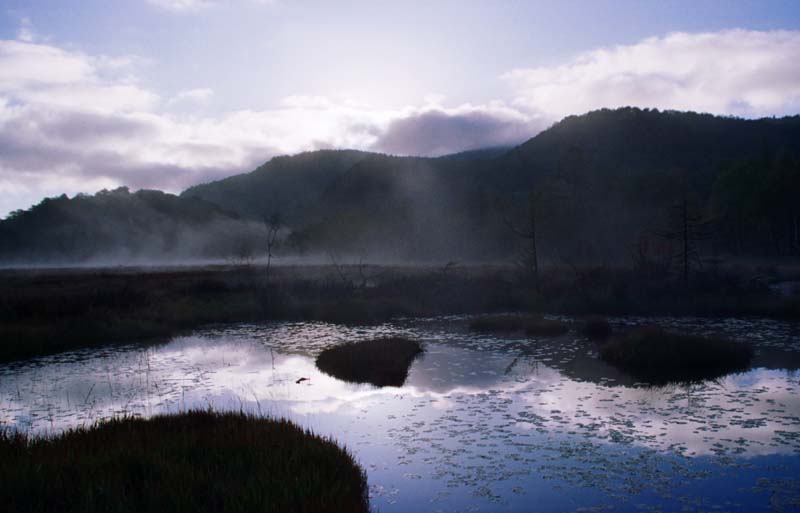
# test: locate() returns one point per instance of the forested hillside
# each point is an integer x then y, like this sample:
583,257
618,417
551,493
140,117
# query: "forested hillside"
608,186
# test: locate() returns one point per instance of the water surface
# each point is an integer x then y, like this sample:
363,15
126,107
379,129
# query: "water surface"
483,423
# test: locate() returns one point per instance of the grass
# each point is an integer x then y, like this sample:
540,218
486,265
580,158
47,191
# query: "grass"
381,362
196,461
596,327
532,325
546,328
47,311
656,356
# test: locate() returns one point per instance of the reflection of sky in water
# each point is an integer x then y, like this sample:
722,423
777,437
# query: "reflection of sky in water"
482,423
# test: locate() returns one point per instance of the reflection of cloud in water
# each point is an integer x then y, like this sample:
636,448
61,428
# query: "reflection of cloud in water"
474,410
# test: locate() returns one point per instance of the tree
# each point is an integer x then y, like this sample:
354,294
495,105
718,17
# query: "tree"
688,225
529,251
273,224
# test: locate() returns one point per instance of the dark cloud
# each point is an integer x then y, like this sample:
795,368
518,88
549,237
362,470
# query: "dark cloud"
76,127
436,132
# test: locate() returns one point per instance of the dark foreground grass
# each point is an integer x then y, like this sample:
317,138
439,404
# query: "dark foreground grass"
381,362
532,325
194,462
659,357
596,327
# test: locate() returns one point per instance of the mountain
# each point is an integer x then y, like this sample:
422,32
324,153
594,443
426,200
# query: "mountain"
603,179
119,226
600,186
285,185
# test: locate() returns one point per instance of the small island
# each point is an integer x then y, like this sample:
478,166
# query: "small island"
380,362
658,357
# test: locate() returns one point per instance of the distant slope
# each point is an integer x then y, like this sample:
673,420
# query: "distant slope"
630,141
122,226
285,185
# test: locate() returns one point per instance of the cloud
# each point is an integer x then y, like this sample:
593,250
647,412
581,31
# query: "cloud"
181,5
200,96
737,72
72,122
26,32
438,131
47,75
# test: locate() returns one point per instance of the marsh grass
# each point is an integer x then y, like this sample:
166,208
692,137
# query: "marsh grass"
533,325
596,327
380,362
546,328
656,356
53,310
198,461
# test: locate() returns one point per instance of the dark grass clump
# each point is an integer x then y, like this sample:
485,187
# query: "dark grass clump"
196,461
546,328
532,325
596,327
507,323
659,357
381,362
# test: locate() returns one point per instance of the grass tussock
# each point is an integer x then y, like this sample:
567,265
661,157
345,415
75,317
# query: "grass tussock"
546,328
196,461
507,323
659,357
381,362
532,325
596,327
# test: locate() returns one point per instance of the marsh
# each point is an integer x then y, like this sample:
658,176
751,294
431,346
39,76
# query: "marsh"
484,421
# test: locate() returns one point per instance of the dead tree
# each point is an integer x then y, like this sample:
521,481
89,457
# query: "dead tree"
273,224
688,227
529,253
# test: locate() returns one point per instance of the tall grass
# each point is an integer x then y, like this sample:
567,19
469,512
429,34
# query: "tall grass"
381,362
193,462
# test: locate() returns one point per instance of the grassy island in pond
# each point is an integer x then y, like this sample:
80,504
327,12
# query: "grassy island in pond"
196,461
657,356
381,362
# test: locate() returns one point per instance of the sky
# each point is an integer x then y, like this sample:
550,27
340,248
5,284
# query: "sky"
170,93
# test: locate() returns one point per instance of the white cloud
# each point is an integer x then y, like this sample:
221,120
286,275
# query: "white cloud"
737,72
178,6
46,75
200,95
181,5
26,32
75,122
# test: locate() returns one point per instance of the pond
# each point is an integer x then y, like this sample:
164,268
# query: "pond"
483,422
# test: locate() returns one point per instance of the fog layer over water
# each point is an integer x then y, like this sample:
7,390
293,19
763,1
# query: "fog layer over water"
483,423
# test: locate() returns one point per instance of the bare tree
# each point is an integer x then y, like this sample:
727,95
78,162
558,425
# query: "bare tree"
529,252
273,223
688,226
